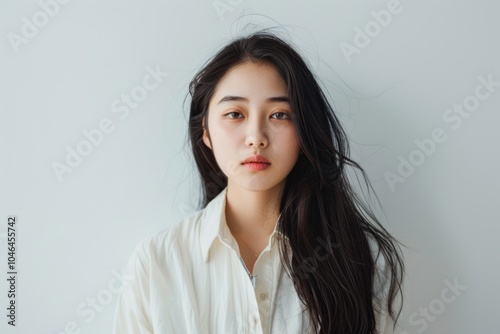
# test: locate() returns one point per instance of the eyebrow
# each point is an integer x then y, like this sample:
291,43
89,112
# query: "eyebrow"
244,99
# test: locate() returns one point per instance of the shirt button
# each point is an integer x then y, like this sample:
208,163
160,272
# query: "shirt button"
263,296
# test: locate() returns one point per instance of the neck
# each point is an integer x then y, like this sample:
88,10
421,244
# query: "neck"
252,213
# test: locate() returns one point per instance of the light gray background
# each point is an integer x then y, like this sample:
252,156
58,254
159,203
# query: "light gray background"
75,235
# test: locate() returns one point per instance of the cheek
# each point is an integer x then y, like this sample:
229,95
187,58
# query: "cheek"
226,153
290,140
223,141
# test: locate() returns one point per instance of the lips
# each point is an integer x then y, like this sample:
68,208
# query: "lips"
256,159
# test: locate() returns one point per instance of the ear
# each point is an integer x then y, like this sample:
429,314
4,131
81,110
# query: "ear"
206,138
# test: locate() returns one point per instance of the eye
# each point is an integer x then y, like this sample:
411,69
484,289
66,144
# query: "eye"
282,115
233,113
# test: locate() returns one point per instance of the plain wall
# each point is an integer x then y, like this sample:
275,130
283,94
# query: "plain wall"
397,95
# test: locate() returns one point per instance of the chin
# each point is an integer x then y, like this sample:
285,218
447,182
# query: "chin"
258,184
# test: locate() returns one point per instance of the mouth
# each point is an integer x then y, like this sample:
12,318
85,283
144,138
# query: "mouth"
256,166
256,163
256,159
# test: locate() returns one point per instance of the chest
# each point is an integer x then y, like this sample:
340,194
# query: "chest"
218,297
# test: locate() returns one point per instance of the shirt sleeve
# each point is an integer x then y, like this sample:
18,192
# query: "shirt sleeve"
132,313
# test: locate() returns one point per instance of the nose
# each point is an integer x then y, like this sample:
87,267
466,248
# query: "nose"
256,136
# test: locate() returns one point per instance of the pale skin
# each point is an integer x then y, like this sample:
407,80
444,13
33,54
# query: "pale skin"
249,114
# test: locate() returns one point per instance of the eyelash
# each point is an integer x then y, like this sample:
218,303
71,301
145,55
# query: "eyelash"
288,116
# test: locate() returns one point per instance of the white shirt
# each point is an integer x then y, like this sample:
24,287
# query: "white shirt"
190,278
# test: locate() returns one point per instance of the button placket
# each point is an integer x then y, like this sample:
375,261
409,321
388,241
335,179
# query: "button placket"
264,268
254,322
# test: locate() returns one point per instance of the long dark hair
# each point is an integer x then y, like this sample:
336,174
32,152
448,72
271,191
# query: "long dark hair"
318,205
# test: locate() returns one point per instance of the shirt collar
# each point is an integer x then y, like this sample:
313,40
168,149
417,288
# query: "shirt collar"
214,224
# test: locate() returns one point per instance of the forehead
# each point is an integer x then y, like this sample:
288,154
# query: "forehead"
252,78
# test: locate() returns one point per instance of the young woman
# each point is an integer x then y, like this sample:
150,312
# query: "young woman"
282,243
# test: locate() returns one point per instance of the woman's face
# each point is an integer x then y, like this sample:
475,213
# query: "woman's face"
249,114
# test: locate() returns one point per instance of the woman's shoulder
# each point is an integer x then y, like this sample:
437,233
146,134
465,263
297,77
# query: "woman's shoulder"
180,234
382,269
382,281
